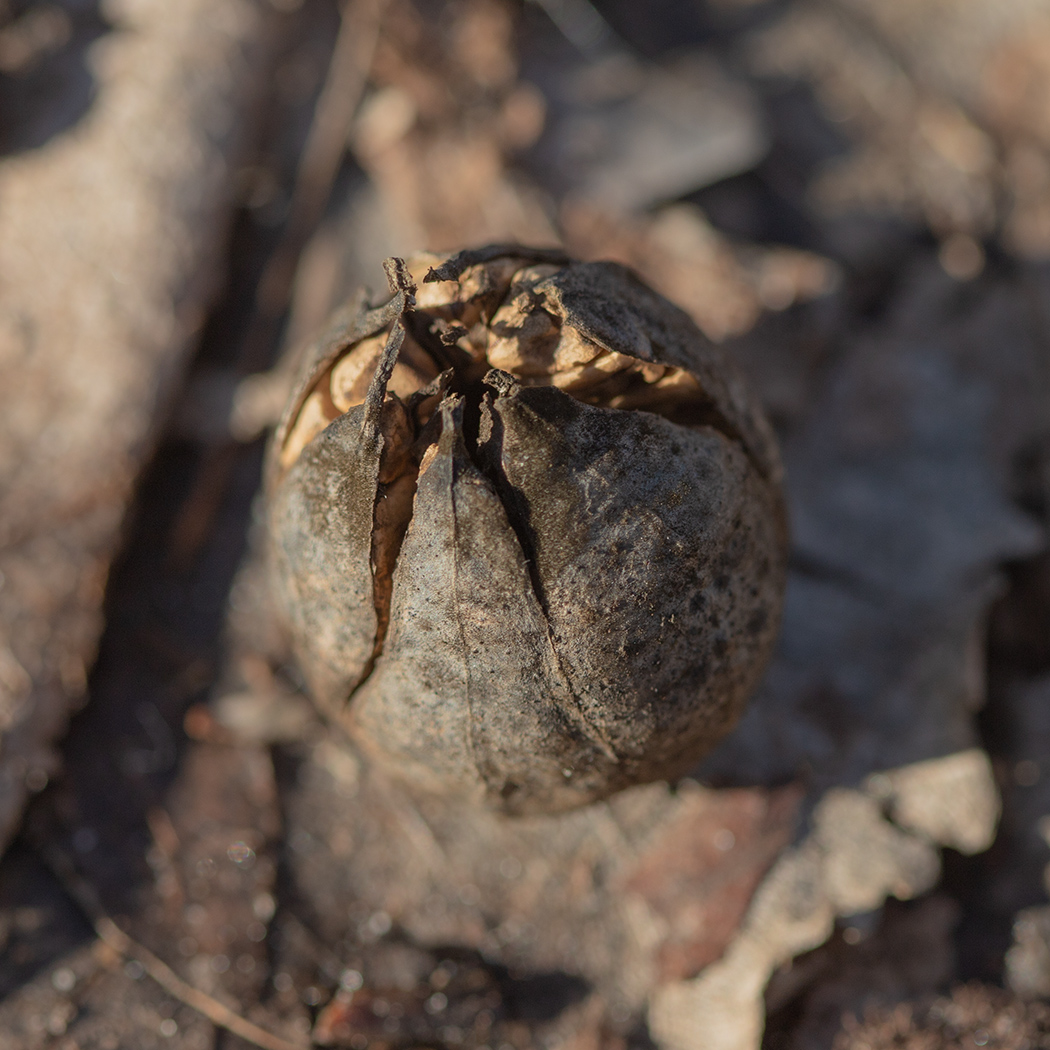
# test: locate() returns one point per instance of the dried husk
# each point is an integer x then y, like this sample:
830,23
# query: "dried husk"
541,556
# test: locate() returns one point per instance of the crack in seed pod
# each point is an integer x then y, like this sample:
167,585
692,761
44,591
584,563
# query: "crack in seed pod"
539,556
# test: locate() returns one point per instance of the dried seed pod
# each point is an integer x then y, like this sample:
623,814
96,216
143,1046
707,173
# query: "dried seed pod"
527,529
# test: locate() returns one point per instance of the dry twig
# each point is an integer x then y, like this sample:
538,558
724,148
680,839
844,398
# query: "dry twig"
125,946
325,146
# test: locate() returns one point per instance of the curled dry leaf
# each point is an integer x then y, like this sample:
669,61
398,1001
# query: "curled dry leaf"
527,529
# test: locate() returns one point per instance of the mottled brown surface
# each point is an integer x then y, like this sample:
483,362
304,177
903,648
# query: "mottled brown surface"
973,1016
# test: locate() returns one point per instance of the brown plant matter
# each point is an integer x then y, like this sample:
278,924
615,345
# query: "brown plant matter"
527,529
973,1015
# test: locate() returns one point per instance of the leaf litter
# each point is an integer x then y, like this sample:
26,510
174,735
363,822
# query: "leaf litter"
900,345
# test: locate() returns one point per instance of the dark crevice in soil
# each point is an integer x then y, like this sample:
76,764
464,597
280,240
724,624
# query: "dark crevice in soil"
813,568
45,924
993,886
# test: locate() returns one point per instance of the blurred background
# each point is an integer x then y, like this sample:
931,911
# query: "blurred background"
851,196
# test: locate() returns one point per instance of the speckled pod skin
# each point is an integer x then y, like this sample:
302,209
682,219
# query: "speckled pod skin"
534,584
